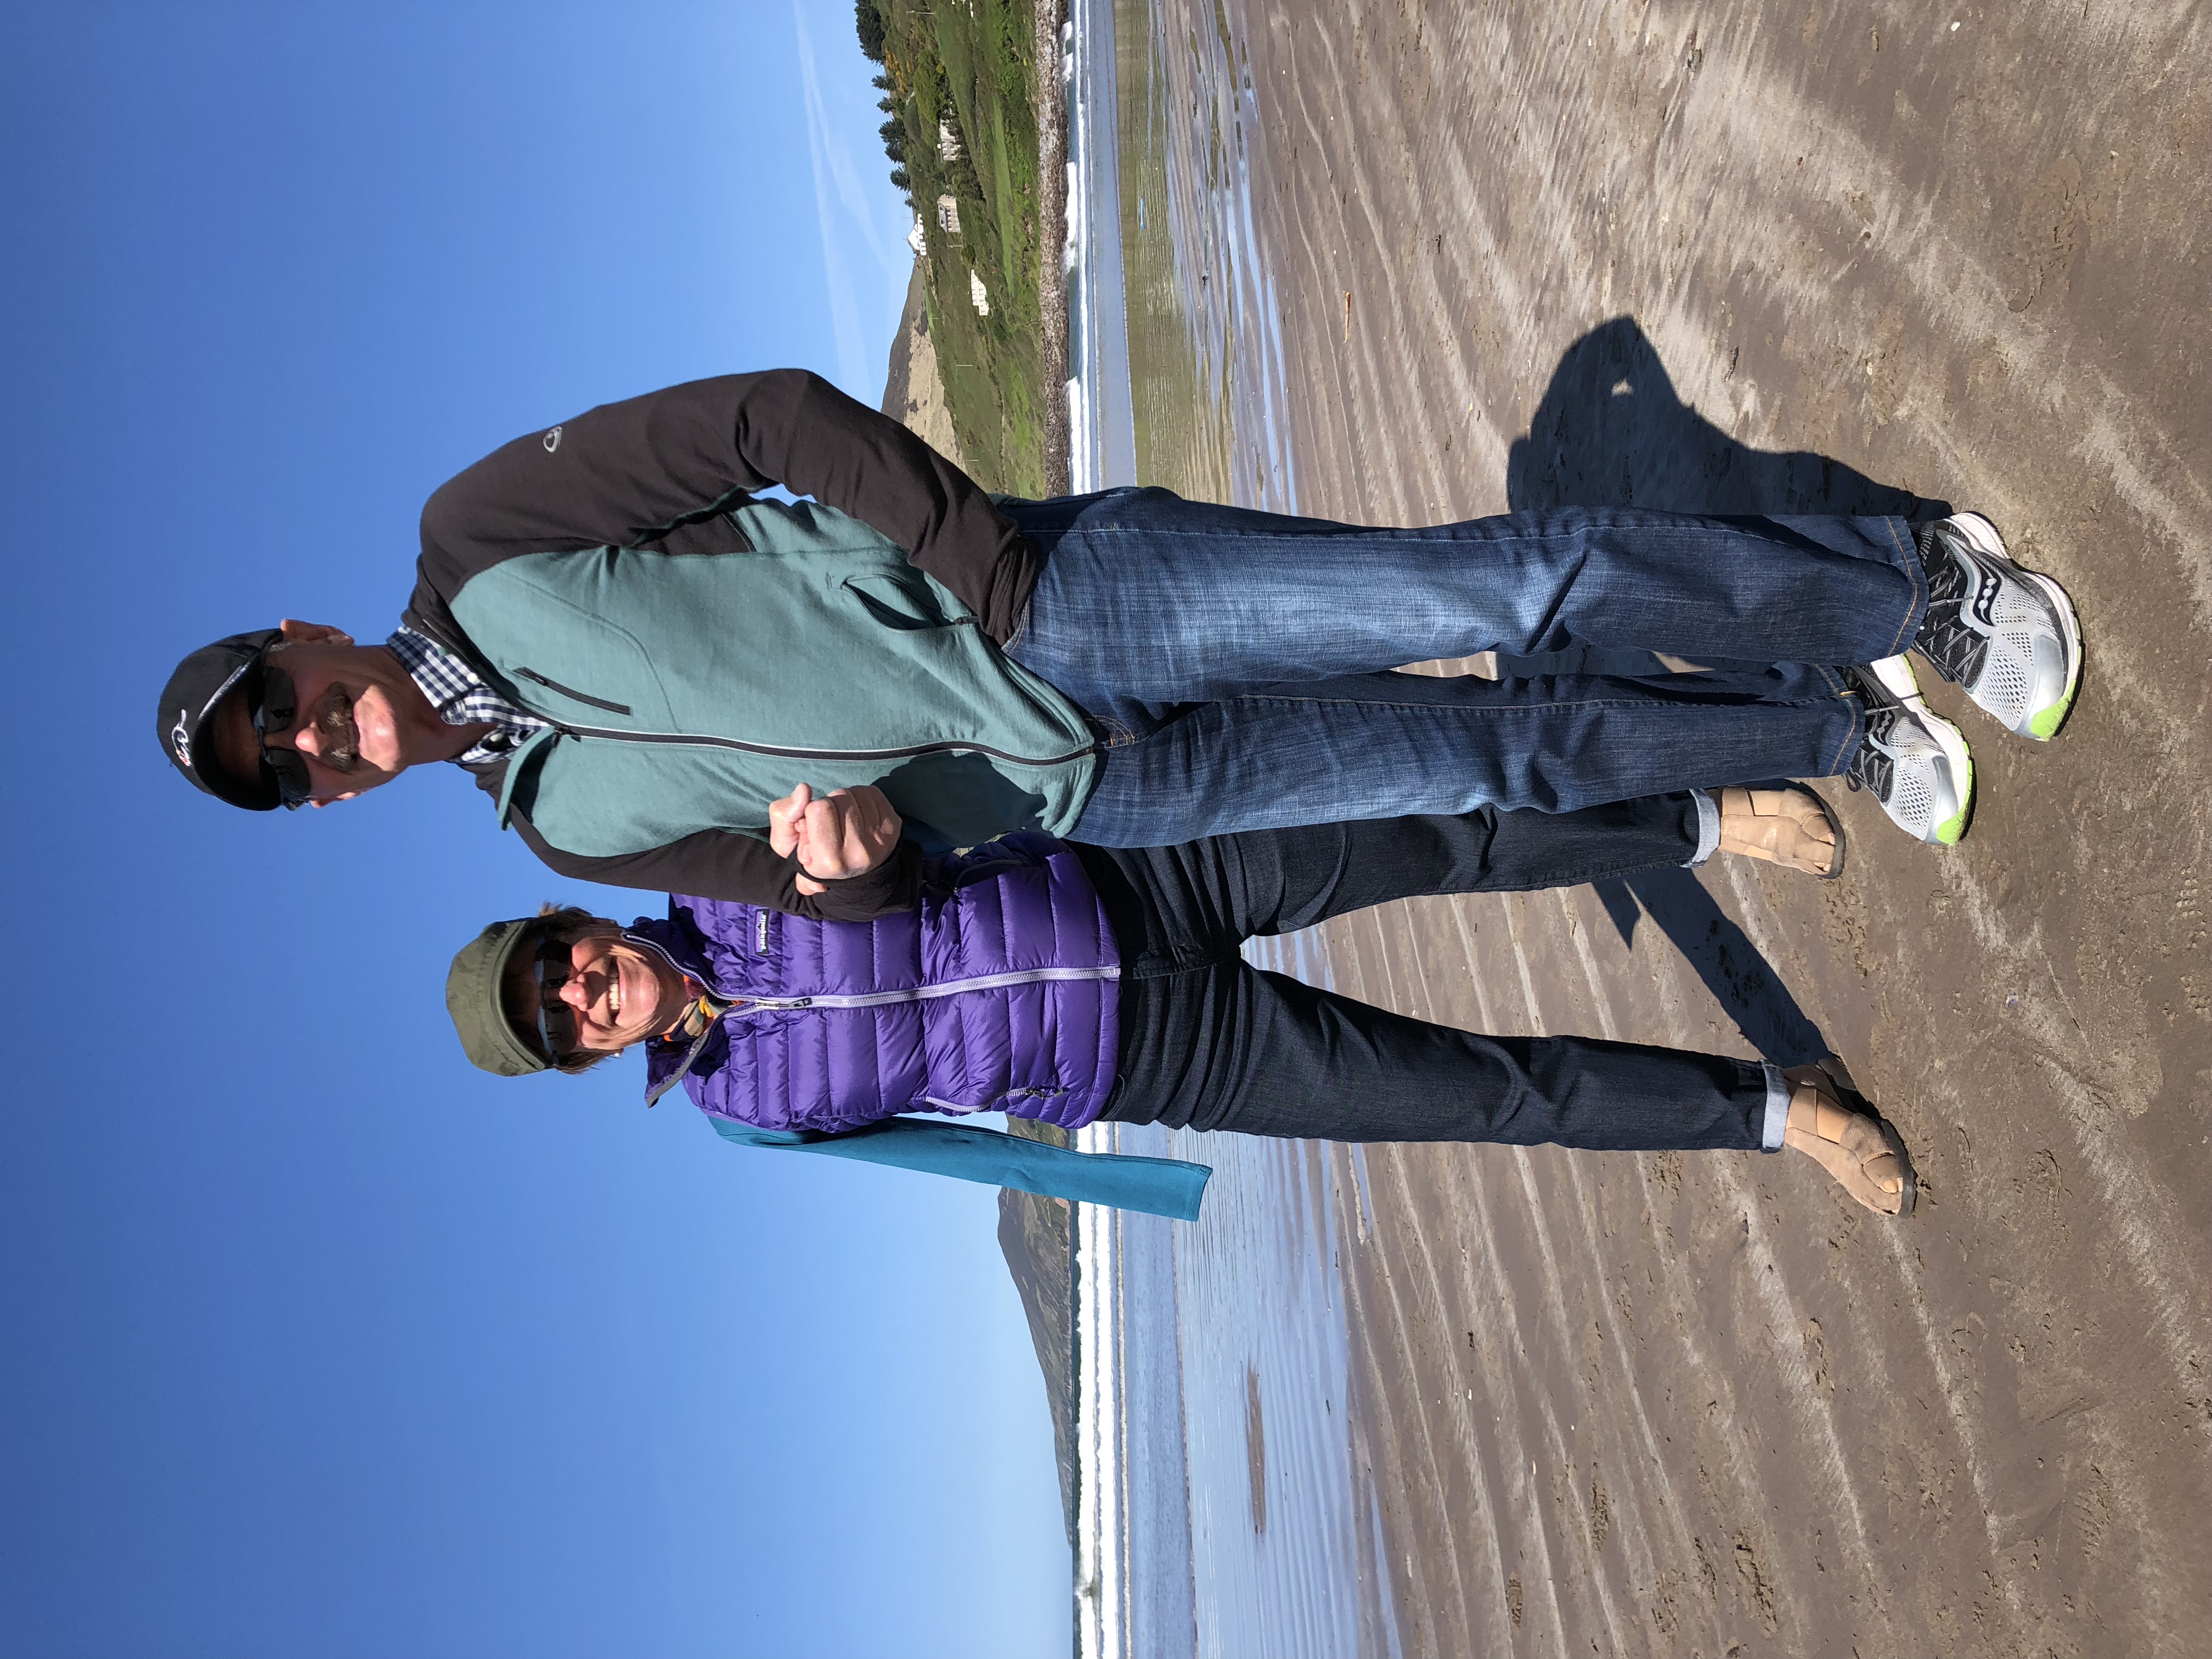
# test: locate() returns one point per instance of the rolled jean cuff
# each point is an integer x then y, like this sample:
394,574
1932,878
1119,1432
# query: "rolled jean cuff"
1709,829
1778,1110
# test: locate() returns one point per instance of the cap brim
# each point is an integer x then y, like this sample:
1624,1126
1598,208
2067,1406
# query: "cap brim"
478,1011
192,704
261,795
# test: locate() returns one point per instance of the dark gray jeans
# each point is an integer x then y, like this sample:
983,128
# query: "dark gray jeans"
1209,1042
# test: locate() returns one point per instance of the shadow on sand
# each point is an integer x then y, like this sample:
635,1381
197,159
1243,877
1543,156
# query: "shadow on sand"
1611,431
1743,981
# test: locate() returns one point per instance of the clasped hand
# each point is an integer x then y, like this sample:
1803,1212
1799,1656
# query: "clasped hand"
847,832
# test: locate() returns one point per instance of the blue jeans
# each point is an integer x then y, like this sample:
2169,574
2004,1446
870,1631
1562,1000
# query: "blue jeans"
1236,662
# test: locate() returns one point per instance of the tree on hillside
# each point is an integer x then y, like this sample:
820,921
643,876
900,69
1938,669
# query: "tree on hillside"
869,22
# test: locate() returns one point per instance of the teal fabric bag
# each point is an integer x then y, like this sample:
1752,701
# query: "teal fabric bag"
1155,1186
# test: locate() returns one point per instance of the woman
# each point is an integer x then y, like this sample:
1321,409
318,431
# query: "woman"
1073,984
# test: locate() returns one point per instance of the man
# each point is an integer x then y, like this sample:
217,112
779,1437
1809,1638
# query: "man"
639,660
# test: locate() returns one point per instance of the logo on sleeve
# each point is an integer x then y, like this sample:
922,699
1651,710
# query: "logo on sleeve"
553,440
181,739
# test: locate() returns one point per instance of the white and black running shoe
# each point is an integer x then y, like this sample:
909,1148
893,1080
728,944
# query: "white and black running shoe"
1912,759
2008,636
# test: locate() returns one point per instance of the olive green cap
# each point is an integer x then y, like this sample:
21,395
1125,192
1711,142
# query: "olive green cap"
472,999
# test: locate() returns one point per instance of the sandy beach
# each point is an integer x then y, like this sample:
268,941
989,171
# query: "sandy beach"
1759,258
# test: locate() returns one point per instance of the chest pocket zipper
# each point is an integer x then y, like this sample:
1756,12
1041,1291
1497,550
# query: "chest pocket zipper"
893,606
571,692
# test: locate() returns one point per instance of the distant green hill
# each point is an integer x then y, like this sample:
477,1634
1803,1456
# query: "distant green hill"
957,85
1037,1236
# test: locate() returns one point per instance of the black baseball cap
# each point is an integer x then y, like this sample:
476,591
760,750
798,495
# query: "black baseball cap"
202,681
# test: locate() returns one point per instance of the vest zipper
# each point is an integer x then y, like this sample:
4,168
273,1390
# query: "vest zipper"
962,1108
879,999
929,992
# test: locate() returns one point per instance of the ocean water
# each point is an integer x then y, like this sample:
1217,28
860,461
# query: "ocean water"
1175,350
1219,1513
1189,129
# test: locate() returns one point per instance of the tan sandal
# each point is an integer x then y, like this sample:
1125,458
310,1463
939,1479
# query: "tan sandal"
1861,1153
1790,827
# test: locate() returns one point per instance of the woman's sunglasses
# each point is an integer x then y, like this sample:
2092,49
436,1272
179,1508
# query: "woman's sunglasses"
557,1020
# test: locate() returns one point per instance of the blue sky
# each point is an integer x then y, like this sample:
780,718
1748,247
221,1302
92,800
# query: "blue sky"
319,1342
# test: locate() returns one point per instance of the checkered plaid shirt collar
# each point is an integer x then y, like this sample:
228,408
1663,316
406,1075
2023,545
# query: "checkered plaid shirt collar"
462,699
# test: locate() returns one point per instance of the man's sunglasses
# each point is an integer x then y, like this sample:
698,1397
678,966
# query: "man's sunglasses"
557,1020
275,707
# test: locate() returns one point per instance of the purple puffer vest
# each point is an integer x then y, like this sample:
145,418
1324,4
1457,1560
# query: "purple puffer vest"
997,994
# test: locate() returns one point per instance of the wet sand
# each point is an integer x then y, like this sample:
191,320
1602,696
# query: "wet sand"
1741,258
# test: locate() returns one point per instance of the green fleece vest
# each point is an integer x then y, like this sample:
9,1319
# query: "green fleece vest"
689,692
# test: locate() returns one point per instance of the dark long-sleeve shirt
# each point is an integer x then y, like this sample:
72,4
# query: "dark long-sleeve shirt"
659,472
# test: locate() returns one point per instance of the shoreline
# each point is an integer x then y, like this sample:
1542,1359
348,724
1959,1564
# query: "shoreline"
1051,91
